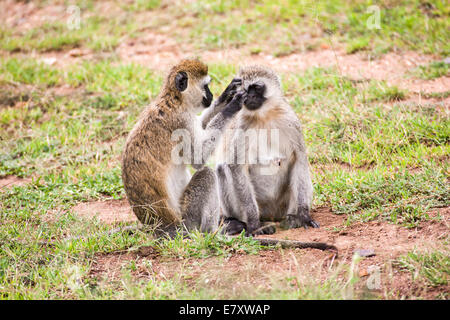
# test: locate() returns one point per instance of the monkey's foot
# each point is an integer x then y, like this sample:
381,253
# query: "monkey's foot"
233,226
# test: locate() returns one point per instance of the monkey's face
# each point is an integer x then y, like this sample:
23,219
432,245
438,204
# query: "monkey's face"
254,97
195,92
261,85
207,94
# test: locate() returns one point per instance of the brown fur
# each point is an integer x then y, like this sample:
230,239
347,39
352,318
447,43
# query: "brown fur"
258,120
147,154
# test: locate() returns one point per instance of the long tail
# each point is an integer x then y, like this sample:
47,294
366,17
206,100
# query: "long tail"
289,244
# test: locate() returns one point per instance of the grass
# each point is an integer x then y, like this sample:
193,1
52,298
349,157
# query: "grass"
435,69
97,33
407,24
64,127
431,267
399,197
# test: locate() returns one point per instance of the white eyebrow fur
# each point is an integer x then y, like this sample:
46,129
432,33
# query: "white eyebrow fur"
206,80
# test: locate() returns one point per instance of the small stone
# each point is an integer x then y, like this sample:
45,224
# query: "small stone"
49,61
364,252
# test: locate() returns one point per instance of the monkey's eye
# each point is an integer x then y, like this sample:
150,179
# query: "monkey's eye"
257,88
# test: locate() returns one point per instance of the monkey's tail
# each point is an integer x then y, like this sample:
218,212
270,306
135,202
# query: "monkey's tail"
290,244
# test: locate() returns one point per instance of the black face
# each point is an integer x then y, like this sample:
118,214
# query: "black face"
207,99
255,96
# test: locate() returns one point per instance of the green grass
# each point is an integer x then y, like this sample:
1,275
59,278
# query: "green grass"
142,5
201,245
433,70
357,45
407,24
432,267
98,33
64,126
399,197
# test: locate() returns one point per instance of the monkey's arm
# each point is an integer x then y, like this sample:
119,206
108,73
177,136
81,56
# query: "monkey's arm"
211,112
220,103
300,194
211,135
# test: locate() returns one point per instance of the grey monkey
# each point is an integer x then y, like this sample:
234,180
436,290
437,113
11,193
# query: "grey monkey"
257,185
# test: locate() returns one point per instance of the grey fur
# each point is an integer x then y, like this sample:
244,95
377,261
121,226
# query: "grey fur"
245,193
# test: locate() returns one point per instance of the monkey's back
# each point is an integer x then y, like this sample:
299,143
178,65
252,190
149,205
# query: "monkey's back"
145,163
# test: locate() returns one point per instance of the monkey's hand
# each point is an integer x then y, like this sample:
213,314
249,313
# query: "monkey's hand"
233,226
234,105
228,94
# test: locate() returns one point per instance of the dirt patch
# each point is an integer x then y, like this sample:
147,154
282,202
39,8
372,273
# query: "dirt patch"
391,67
159,52
25,15
109,266
240,275
109,211
387,240
154,50
11,181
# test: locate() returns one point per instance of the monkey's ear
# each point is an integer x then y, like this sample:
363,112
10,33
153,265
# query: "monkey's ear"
181,81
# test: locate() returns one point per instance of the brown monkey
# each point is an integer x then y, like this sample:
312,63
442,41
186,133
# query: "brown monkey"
158,185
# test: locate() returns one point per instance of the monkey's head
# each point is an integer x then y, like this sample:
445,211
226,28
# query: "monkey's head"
188,82
260,84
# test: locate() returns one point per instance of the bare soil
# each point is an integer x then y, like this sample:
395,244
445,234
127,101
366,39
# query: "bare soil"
236,274
10,181
107,211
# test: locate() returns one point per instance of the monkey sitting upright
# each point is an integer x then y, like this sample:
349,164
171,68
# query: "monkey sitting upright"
158,188
264,185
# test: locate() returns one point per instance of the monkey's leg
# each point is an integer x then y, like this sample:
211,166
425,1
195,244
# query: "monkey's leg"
228,202
240,186
199,202
300,197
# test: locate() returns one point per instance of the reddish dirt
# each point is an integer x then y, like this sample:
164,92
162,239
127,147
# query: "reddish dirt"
25,15
108,211
387,240
158,51
10,181
239,274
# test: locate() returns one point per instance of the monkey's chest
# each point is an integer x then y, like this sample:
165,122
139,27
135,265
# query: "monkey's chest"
268,179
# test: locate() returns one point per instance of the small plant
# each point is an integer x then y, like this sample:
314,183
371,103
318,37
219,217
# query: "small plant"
203,245
356,45
435,69
433,266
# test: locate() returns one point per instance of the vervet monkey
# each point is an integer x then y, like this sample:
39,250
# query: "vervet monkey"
159,189
258,183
